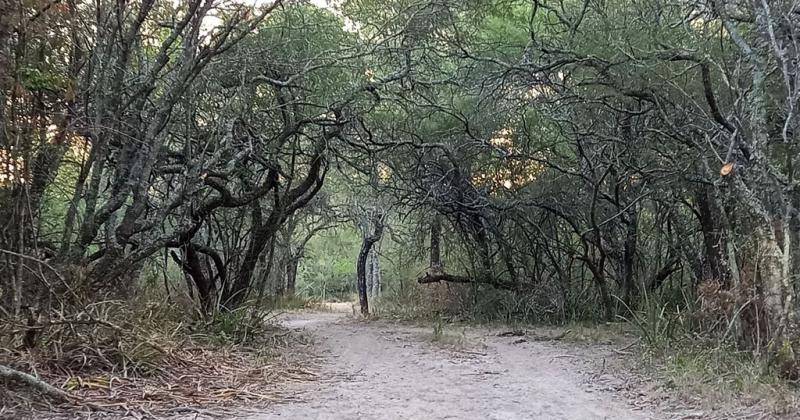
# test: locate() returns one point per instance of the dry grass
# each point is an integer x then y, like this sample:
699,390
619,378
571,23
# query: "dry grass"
150,362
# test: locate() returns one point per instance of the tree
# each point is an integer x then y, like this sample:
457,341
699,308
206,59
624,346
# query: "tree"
634,156
564,167
372,225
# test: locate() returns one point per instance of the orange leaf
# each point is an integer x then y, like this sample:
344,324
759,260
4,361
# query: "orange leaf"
726,169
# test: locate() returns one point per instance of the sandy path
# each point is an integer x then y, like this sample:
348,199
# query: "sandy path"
382,370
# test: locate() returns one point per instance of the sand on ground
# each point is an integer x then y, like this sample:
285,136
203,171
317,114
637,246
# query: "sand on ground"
385,370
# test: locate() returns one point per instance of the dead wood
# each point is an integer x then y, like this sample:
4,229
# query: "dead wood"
13,375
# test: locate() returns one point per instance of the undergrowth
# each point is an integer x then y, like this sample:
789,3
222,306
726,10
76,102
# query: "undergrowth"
707,367
716,377
144,353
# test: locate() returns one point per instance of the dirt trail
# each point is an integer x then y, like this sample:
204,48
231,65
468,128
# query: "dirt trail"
381,370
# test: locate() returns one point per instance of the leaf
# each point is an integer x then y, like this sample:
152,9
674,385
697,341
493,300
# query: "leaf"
726,169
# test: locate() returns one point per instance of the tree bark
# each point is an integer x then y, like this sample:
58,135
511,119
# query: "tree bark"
361,263
774,275
291,275
6,13
375,272
368,271
630,286
709,214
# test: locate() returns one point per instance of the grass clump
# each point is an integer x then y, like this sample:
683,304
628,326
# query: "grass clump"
145,357
721,377
440,335
702,363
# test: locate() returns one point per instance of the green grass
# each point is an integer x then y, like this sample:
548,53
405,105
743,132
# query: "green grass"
720,377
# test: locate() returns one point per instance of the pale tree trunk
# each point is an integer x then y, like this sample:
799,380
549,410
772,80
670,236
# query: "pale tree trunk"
375,272
794,237
281,273
368,269
773,269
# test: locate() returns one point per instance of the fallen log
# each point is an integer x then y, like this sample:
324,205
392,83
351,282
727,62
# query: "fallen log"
13,375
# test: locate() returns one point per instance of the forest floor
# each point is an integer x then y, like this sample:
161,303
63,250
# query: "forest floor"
387,370
329,364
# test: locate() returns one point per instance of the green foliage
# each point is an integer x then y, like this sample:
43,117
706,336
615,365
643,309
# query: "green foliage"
236,327
35,79
659,324
328,270
58,197
722,375
506,30
302,42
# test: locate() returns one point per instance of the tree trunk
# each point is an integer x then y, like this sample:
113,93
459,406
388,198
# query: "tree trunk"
375,272
278,283
6,63
260,236
630,285
368,271
714,266
597,268
203,279
291,275
605,296
436,243
361,264
361,276
774,272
